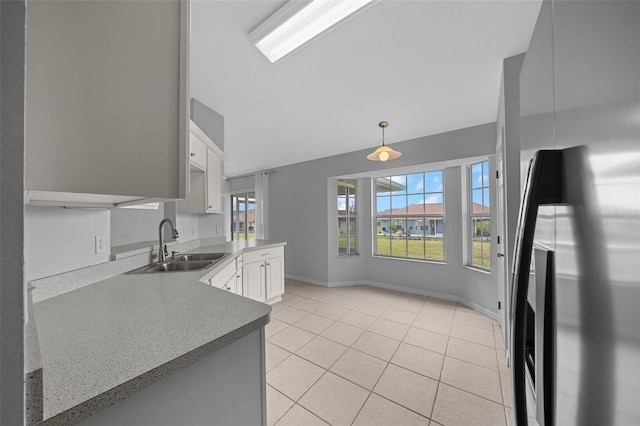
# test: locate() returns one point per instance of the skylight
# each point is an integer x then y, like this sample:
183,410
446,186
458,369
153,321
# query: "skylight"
298,22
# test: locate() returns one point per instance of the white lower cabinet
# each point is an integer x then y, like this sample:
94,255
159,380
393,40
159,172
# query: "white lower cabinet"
275,278
253,281
263,274
257,274
229,278
234,284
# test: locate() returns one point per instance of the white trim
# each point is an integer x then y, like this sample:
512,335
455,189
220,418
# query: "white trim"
477,269
419,292
184,106
306,280
476,307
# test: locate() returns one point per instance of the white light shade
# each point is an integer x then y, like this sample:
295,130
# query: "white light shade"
383,153
287,30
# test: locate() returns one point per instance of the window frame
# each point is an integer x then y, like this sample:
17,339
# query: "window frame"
350,216
246,195
438,219
473,217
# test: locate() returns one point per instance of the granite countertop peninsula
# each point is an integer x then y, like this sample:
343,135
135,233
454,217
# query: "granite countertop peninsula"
107,340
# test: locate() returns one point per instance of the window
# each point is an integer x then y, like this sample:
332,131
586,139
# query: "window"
410,216
347,216
243,216
479,216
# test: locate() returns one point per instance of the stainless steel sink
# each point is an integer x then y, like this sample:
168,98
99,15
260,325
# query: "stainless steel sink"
183,262
200,256
194,265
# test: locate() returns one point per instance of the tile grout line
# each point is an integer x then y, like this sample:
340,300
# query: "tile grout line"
504,405
435,397
409,326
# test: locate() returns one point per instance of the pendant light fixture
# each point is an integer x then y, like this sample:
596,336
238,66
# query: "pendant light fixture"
383,153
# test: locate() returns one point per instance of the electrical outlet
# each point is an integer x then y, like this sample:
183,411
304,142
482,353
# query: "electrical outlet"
100,244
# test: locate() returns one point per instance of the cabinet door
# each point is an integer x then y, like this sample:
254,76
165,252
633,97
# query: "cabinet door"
198,153
221,279
253,281
274,277
230,285
214,181
237,289
106,101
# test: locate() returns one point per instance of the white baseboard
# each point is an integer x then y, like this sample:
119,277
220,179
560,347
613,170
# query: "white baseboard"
476,307
410,290
419,292
306,280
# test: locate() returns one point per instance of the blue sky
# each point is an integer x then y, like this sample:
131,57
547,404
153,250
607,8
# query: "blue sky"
241,206
419,188
426,188
480,178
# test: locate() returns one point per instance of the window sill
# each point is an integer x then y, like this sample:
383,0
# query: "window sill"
347,255
476,269
406,259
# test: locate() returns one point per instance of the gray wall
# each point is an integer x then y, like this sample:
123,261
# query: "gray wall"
12,36
58,240
131,225
300,214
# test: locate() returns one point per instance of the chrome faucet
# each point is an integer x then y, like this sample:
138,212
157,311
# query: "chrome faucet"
162,250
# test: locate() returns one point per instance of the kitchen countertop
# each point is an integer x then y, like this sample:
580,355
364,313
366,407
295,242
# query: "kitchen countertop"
102,342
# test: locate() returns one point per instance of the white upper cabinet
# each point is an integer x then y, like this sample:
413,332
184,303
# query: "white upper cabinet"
205,183
197,154
106,103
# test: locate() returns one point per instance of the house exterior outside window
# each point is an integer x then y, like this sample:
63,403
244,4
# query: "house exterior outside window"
409,221
479,216
346,210
243,216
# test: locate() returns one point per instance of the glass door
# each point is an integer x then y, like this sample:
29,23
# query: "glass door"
243,216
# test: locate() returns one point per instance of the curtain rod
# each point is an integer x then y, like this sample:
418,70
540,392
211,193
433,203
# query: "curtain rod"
266,172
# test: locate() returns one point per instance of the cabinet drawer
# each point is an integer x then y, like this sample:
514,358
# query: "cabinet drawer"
263,254
197,153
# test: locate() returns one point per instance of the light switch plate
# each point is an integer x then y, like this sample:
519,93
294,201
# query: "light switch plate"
100,244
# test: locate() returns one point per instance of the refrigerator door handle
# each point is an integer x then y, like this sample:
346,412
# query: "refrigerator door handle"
543,186
549,342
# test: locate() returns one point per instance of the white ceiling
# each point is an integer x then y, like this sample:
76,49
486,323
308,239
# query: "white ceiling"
424,66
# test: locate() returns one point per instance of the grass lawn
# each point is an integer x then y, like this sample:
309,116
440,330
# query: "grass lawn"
434,247
416,248
342,242
240,236
482,254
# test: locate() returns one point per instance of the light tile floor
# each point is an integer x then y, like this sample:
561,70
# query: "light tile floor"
362,355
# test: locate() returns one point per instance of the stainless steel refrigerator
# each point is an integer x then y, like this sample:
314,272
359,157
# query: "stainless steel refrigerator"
575,317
